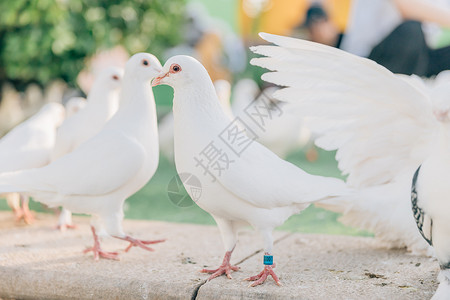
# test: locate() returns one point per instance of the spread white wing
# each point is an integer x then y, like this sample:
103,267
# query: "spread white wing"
380,124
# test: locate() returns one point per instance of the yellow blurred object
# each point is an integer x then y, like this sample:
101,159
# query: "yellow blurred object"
339,11
281,16
273,16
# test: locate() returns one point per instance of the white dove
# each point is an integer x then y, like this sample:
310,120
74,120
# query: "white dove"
102,103
165,128
29,145
243,183
380,124
98,176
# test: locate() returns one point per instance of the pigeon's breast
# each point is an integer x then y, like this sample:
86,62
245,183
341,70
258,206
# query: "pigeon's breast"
433,187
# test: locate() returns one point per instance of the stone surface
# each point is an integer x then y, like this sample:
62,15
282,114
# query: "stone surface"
38,262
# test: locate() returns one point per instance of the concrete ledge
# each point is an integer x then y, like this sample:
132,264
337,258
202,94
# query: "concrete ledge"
37,262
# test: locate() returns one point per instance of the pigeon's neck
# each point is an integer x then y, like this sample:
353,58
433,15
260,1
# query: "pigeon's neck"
137,107
103,103
135,93
200,103
97,94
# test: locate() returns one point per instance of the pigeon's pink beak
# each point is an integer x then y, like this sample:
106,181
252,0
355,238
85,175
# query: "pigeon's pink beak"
157,80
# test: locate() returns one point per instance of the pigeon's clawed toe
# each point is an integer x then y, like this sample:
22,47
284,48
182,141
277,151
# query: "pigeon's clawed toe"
99,253
24,214
261,277
139,243
97,250
224,268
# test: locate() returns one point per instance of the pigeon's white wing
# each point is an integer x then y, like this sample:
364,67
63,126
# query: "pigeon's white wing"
263,179
99,166
26,146
384,210
380,124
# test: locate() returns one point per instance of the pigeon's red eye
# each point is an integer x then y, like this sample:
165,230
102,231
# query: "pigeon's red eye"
145,62
176,68
115,77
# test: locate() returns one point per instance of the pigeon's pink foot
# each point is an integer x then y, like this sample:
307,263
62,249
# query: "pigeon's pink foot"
224,268
139,243
64,227
24,213
261,277
98,252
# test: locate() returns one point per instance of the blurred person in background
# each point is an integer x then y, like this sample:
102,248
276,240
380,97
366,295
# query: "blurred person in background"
397,34
320,28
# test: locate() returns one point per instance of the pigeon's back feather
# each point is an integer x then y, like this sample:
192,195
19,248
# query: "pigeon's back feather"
287,184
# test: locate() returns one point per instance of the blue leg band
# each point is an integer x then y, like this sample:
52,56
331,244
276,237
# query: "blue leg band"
268,260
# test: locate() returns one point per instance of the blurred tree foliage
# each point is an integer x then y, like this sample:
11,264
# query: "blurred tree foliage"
41,40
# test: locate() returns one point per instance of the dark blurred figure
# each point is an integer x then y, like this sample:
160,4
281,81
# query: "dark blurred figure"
320,28
391,33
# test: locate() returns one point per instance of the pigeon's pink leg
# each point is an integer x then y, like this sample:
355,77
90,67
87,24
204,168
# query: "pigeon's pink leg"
65,220
224,268
261,277
98,252
139,243
24,212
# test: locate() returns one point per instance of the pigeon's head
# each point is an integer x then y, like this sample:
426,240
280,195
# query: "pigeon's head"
440,96
54,111
110,78
181,71
143,66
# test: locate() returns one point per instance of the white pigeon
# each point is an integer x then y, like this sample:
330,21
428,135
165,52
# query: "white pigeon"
98,176
165,128
102,103
388,130
242,182
29,145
